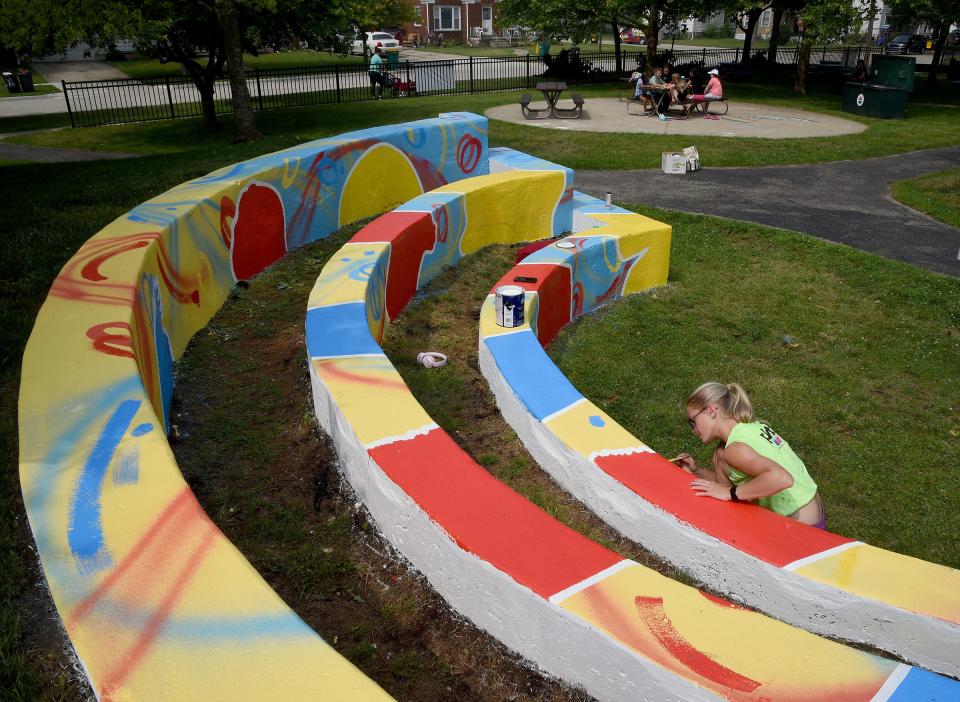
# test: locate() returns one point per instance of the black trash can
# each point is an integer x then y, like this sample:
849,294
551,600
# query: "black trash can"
25,78
872,100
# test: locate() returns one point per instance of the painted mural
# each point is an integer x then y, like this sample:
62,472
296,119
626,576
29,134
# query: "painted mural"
389,443
156,601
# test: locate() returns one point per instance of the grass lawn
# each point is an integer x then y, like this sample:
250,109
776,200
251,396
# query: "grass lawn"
868,399
926,126
937,194
149,68
49,210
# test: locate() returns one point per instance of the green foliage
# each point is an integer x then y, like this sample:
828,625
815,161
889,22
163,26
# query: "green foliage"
937,194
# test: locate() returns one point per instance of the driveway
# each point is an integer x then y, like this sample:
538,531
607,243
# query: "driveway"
847,202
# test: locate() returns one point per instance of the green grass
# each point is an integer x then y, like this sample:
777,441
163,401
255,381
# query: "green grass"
152,68
936,194
49,210
868,399
926,126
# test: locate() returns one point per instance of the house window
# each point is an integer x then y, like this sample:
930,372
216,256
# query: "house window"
446,18
418,16
765,18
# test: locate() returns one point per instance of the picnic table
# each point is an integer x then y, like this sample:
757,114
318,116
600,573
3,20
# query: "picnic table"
551,90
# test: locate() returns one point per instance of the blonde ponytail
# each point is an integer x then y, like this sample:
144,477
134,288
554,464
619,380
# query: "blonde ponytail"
731,400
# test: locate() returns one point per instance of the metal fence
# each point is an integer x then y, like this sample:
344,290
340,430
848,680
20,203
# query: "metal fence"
96,103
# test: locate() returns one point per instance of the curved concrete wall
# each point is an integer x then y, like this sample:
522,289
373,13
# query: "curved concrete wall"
157,603
819,581
573,607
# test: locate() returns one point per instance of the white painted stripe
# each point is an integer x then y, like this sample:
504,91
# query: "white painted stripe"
892,683
620,451
407,436
349,355
561,411
587,582
820,556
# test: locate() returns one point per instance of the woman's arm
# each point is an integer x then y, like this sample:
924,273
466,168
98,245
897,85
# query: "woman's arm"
766,477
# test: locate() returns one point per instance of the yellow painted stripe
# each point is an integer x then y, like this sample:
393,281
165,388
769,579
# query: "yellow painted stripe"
504,208
902,581
574,428
372,396
718,646
345,277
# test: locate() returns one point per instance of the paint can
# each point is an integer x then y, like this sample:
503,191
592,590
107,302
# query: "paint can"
509,305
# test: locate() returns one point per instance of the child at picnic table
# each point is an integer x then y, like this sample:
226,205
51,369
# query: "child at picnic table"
752,463
714,91
659,94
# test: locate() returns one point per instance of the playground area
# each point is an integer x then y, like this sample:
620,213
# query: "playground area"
743,119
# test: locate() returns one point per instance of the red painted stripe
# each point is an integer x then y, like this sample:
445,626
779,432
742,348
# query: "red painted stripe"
130,660
87,604
487,518
410,235
753,530
553,287
653,615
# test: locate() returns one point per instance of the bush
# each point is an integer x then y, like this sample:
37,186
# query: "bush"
722,31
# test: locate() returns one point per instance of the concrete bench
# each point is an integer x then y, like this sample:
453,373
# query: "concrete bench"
820,581
571,606
157,603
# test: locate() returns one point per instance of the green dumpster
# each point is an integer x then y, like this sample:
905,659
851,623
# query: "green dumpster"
544,48
872,100
895,71
393,59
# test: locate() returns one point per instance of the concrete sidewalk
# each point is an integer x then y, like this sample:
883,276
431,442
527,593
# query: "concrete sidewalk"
847,202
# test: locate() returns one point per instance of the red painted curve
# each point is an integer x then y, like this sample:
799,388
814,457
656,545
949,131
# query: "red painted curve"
487,518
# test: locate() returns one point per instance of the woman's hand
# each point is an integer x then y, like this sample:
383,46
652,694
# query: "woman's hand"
685,461
708,488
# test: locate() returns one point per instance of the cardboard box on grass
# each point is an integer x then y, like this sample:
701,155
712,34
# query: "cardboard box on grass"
684,161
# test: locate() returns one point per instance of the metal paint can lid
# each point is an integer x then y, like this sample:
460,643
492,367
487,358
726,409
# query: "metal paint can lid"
509,290
566,244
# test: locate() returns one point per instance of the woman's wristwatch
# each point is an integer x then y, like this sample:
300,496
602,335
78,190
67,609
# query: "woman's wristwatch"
733,494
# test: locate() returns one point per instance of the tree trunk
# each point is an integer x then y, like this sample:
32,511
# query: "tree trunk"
753,17
868,35
616,44
244,123
803,61
942,28
775,36
652,32
203,77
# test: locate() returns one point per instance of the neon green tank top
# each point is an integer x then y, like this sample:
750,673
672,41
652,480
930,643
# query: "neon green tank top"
765,441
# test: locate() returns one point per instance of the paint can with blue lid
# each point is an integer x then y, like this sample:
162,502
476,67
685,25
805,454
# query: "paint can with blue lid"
509,305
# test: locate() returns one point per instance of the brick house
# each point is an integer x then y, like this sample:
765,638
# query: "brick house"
460,21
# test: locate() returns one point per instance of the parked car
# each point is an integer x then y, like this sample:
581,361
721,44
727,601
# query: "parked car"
906,44
632,35
385,41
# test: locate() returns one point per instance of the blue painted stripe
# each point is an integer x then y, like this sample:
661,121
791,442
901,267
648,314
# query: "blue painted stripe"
531,374
85,529
924,686
340,330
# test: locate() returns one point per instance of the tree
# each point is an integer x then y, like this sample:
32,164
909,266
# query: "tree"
823,21
939,14
194,33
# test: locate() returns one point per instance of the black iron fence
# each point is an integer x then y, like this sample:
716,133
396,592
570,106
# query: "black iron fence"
96,103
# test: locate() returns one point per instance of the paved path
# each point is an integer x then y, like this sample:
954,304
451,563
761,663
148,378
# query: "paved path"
845,201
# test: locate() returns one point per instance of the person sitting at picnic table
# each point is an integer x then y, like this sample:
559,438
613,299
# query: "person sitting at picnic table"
678,89
660,94
640,93
714,91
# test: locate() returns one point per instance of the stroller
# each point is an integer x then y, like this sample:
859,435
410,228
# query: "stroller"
398,88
